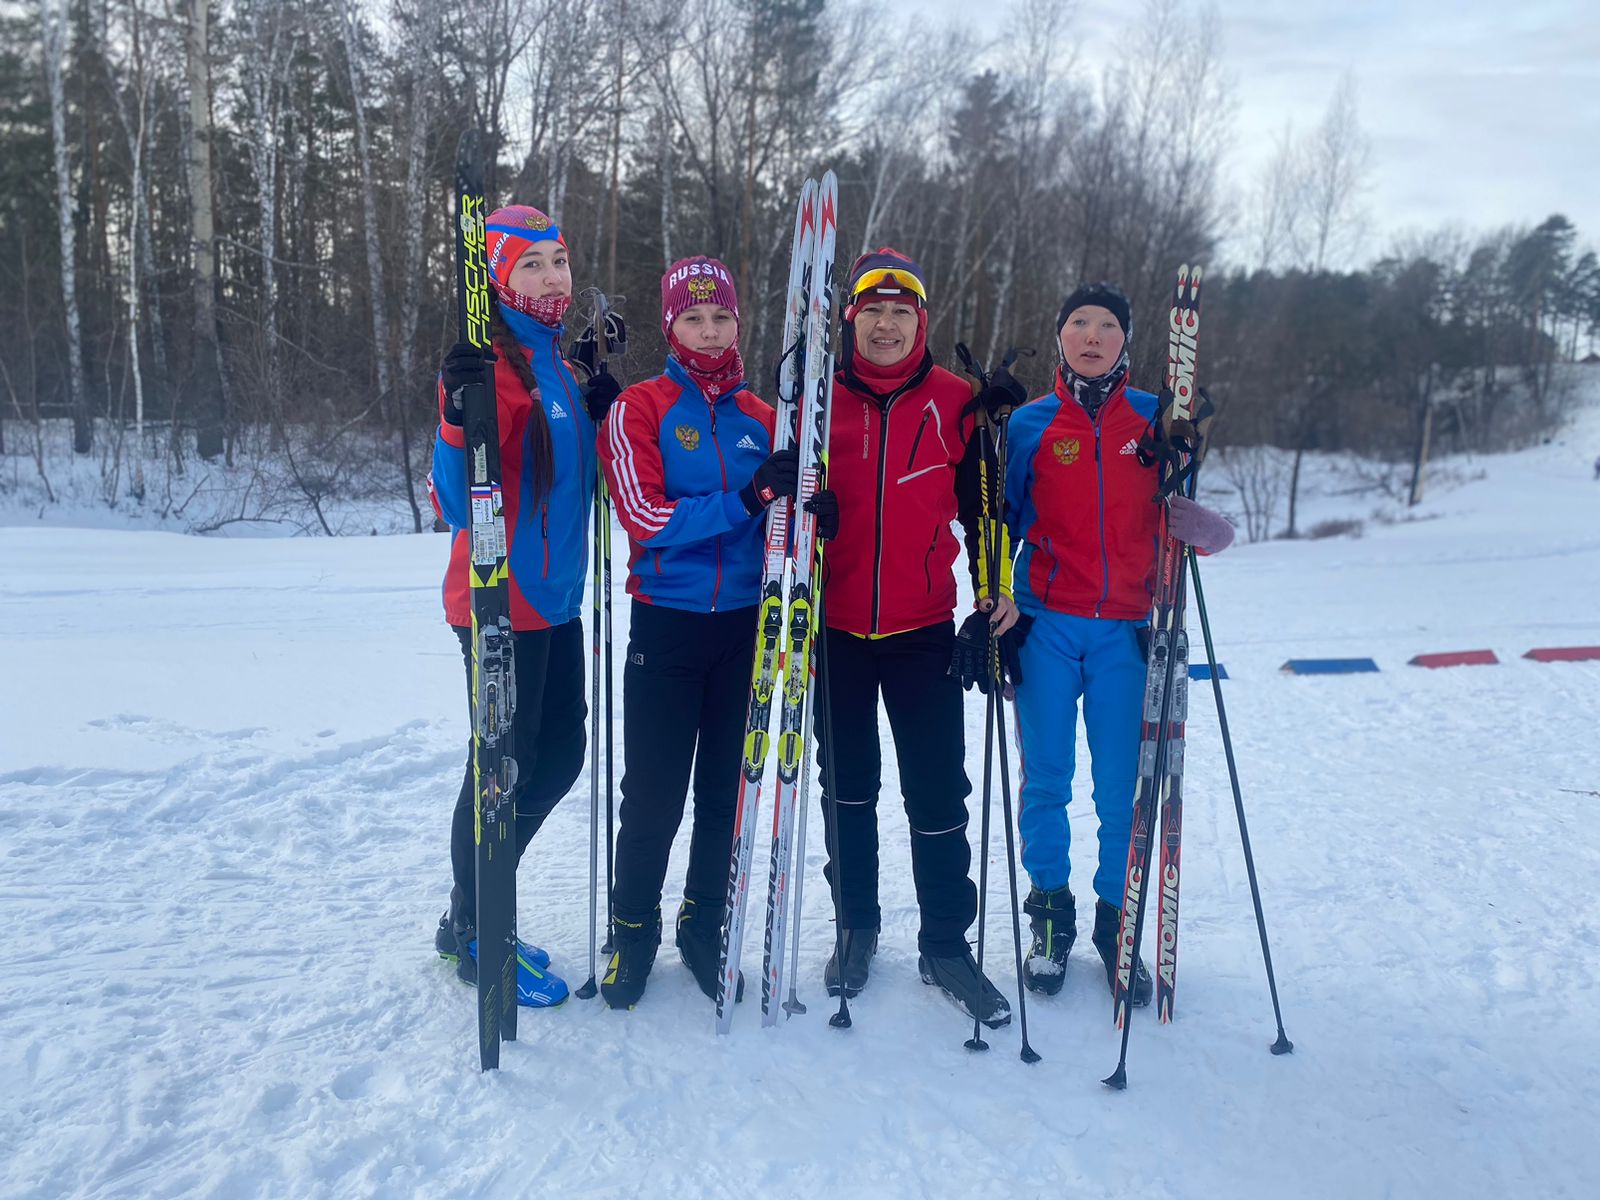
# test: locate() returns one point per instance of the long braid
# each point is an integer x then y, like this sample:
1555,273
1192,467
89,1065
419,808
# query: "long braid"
541,466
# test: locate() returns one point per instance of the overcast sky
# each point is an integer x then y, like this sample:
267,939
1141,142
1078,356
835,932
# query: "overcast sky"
1479,113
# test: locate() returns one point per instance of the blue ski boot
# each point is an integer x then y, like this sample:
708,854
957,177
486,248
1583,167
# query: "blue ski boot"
536,986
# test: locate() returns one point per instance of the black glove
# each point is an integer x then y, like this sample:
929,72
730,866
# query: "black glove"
599,393
969,660
1002,395
773,478
1011,650
586,350
825,504
464,366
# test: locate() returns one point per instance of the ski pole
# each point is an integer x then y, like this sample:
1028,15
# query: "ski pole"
589,989
1283,1045
793,1005
992,494
830,795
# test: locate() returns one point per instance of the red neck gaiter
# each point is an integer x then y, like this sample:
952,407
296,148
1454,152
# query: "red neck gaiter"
714,373
547,310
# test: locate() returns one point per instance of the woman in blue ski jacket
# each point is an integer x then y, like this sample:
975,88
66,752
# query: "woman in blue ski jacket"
688,458
547,467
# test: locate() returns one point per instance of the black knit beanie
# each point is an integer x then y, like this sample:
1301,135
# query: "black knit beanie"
1106,295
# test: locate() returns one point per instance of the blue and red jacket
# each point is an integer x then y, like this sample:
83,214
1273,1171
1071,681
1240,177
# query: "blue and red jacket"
1082,506
547,540
675,463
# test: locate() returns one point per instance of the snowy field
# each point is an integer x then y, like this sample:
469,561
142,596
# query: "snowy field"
226,771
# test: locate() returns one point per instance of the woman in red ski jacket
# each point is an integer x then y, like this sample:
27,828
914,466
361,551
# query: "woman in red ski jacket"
901,434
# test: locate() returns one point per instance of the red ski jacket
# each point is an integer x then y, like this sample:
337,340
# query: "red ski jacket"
1082,505
894,463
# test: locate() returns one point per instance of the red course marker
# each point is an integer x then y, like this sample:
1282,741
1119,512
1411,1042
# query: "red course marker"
1456,658
1564,654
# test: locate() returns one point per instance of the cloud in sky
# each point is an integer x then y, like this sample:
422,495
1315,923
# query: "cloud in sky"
1480,114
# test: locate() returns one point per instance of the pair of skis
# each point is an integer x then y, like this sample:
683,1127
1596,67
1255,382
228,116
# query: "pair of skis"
494,686
1179,445
791,585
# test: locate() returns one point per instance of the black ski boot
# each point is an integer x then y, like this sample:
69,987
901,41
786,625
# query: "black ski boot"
699,936
1054,919
859,947
959,978
455,935
1106,920
633,954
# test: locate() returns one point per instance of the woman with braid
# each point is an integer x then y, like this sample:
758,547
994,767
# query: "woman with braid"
547,463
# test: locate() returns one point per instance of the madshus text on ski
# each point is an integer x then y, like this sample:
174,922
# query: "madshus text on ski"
1079,530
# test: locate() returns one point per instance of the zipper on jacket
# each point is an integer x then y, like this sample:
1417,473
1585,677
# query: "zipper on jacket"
544,531
1100,480
916,441
927,572
722,465
877,547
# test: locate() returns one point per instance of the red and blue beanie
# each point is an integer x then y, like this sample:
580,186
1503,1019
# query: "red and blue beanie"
696,280
509,232
885,274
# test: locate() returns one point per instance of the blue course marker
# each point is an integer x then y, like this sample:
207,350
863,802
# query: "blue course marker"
1327,666
1203,671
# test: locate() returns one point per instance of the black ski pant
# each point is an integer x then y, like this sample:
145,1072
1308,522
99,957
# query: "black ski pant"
924,706
685,695
547,739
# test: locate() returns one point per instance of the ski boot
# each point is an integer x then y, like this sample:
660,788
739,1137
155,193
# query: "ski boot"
959,978
699,936
859,947
445,941
634,946
1053,918
1106,920
537,987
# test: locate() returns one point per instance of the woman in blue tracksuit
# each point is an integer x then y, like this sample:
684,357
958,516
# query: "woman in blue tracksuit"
688,457
547,466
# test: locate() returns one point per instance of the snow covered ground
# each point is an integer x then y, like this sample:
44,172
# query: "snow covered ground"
226,770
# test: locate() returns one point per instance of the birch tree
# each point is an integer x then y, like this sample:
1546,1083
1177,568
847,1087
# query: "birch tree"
53,20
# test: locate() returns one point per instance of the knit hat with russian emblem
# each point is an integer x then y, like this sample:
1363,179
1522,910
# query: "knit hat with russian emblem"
702,280
697,280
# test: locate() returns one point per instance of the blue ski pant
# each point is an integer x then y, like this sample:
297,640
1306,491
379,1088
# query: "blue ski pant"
1066,659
